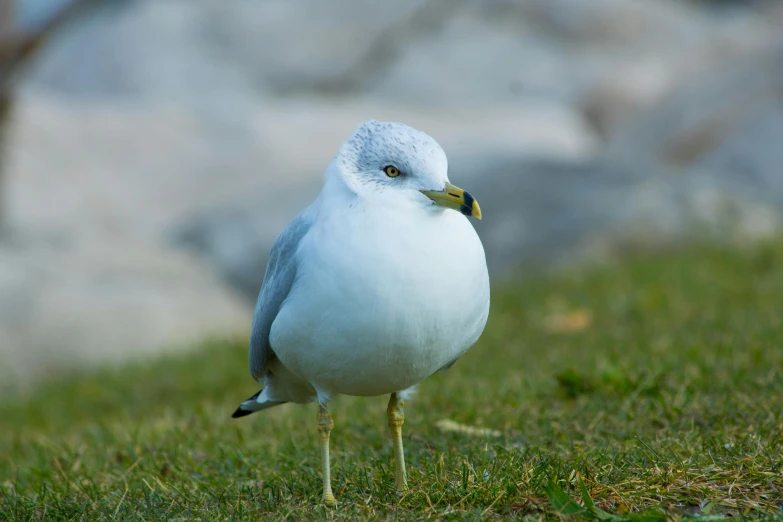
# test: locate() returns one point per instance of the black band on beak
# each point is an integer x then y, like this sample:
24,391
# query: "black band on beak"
467,207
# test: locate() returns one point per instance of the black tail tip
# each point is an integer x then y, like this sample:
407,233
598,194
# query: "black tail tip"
240,413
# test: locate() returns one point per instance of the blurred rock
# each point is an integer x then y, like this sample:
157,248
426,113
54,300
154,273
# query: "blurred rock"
100,168
71,303
201,49
752,153
554,213
423,52
18,44
505,50
6,22
729,123
697,117
668,46
138,170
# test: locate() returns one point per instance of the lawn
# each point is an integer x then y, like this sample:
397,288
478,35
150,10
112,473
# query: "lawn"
642,389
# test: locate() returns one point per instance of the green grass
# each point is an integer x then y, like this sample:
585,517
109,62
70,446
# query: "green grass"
647,389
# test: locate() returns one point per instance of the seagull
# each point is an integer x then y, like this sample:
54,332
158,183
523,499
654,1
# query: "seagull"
381,282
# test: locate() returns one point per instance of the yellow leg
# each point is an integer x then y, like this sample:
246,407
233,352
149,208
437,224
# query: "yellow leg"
325,425
396,416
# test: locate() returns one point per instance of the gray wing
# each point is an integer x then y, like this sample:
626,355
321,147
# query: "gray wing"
278,279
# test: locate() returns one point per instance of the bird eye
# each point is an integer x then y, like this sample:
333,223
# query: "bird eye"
391,171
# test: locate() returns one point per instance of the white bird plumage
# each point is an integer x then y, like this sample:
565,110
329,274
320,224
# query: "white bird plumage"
373,287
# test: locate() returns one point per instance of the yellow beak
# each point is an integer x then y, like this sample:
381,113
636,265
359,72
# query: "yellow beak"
455,198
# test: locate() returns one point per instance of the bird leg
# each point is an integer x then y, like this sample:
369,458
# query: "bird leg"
325,425
396,416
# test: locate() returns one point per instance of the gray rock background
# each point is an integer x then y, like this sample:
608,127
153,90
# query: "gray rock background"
157,147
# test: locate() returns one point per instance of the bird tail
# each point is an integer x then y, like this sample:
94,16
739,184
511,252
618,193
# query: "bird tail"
259,401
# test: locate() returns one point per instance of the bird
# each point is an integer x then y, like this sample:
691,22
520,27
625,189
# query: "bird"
380,283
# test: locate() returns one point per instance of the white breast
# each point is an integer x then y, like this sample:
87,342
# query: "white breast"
383,299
